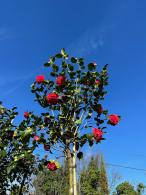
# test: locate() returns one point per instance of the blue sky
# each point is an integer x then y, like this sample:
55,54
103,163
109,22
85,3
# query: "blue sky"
104,31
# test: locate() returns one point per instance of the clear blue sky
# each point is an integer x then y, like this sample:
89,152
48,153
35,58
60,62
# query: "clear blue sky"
104,31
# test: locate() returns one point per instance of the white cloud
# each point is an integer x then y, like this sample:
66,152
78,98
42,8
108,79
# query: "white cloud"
89,41
16,82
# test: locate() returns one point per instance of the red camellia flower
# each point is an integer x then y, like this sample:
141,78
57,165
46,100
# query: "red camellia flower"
97,82
60,80
40,78
26,114
114,119
52,98
36,138
51,166
97,134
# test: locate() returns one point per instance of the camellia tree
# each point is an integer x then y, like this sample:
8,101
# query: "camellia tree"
17,162
6,146
71,95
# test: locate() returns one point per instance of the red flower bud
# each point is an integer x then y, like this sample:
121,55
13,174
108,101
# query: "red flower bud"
40,78
113,119
36,138
52,166
60,80
52,98
97,82
97,133
46,147
10,133
26,114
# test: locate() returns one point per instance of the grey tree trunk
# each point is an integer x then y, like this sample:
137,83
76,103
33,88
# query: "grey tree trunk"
74,171
70,171
71,163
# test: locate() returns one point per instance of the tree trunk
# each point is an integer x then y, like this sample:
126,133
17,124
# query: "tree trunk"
70,171
74,171
71,163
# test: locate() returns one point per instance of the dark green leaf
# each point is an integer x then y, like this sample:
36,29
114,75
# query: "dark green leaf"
59,55
80,155
53,74
71,67
73,60
47,64
90,142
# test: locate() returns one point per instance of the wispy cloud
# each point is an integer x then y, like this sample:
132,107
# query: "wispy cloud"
92,39
16,82
8,86
8,80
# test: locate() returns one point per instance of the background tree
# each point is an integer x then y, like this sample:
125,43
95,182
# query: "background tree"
7,147
126,188
72,96
89,179
16,190
103,181
93,179
140,188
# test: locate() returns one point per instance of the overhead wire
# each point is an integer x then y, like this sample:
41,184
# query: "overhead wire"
126,167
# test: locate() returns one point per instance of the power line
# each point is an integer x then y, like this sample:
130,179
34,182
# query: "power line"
126,167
